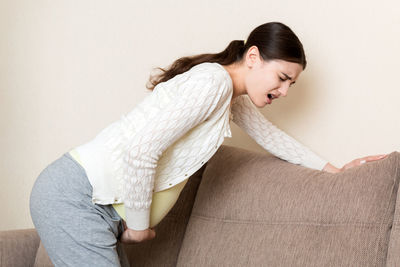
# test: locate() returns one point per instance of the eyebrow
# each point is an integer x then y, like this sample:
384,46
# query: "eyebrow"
288,77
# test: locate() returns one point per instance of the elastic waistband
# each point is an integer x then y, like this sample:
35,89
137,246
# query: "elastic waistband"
68,155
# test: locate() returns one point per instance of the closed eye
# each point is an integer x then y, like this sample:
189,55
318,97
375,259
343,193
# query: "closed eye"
286,80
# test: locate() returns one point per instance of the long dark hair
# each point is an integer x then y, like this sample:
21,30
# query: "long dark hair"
274,40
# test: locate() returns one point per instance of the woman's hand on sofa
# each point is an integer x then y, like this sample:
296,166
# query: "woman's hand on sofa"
130,236
360,161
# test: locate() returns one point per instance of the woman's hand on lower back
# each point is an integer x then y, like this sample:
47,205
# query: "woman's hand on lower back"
131,236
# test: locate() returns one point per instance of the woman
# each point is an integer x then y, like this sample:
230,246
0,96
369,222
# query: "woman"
130,175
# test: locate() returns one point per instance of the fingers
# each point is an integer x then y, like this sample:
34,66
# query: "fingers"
372,158
124,224
360,161
376,157
150,234
153,234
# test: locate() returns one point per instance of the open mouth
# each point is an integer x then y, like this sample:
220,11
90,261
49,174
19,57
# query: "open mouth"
270,97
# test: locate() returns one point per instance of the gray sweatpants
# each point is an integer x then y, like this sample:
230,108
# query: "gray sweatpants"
73,230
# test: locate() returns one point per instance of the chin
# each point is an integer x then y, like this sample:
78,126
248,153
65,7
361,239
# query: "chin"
260,106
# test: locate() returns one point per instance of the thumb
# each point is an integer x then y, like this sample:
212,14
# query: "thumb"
153,233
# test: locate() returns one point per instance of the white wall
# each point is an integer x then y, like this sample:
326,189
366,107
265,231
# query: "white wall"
69,68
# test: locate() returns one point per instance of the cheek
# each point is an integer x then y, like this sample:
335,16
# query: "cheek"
257,83
271,83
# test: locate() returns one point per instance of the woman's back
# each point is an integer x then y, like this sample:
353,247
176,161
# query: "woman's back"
161,204
160,143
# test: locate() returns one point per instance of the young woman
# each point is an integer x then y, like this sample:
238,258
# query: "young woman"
120,184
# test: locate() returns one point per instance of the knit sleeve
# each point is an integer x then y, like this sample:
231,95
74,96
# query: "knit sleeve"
197,96
252,121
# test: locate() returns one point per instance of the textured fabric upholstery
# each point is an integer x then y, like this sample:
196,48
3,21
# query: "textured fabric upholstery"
252,209
246,208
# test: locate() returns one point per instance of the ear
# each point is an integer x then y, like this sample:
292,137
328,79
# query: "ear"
252,56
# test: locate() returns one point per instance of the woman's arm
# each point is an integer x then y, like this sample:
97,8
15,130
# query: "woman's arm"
330,168
271,138
249,118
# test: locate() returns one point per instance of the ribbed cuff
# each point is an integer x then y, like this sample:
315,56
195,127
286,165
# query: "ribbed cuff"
137,219
314,162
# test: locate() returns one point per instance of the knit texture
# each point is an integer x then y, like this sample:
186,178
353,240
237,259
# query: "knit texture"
170,134
197,96
246,115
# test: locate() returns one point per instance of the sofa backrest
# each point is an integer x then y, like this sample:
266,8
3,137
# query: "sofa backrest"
254,209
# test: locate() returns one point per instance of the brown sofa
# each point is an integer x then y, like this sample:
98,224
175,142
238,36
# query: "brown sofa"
246,208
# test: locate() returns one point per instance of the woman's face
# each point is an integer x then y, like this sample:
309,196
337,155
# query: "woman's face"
265,78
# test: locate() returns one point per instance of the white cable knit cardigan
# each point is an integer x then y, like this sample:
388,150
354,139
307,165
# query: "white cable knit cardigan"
170,134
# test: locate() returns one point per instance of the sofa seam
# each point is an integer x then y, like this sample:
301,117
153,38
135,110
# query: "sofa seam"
393,218
376,224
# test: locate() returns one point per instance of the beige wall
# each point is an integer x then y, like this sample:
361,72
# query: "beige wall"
69,68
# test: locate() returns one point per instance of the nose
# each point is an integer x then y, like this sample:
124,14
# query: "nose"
283,90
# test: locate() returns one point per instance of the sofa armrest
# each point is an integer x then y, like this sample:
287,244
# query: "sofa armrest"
18,247
393,255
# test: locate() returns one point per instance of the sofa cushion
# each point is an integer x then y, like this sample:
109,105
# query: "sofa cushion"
18,247
254,209
42,258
